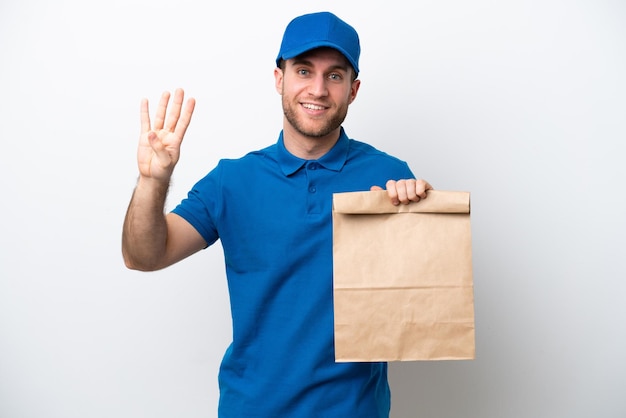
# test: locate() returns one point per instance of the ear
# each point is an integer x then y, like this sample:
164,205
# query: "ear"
278,78
354,90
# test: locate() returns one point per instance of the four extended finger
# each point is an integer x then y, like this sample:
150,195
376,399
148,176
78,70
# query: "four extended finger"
145,116
161,111
174,114
185,118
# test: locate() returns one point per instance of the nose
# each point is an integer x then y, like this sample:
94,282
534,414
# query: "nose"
317,87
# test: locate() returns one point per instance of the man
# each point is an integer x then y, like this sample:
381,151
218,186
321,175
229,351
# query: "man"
271,209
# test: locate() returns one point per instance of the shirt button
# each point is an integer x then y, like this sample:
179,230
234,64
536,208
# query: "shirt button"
312,166
312,189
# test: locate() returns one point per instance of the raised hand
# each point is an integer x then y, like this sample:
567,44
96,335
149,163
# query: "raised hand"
159,144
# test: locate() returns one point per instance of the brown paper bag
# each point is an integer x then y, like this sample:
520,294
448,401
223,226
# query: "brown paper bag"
403,287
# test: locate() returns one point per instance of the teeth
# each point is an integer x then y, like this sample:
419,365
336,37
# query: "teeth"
312,106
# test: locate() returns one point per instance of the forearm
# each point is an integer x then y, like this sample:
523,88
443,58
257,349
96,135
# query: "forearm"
144,235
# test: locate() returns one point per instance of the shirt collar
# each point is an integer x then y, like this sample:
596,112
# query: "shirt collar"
334,159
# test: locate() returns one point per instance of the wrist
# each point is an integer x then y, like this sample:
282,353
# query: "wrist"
152,182
150,186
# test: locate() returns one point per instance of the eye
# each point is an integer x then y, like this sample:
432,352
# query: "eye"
335,76
303,71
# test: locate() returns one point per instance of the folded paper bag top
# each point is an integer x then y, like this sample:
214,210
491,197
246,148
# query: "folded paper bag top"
436,201
402,283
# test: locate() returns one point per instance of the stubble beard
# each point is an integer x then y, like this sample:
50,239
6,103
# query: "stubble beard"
324,129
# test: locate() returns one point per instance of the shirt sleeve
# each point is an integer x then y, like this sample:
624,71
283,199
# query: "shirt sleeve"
201,206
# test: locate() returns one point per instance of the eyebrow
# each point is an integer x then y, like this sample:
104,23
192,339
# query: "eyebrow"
303,61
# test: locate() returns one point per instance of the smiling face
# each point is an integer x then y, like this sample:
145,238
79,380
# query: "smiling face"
316,87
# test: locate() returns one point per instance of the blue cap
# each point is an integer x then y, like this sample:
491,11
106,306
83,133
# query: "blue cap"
316,30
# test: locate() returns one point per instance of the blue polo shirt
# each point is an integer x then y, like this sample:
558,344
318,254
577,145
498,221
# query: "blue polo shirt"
272,213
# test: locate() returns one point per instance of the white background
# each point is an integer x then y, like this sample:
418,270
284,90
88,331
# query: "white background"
522,103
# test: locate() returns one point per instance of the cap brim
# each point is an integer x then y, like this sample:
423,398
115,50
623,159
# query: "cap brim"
294,52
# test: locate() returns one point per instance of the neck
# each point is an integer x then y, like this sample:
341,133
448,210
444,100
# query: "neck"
307,147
